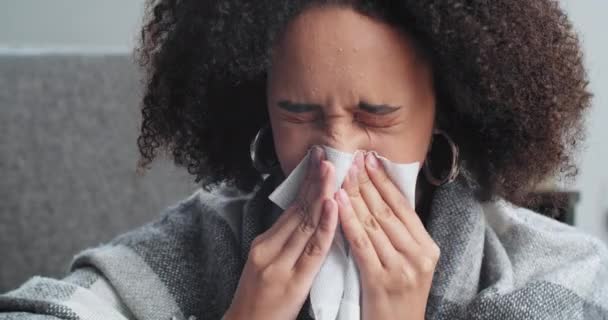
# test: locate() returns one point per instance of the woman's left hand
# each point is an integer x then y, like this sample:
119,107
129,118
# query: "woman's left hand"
395,254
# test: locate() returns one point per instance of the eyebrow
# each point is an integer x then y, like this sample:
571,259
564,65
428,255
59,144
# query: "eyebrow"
308,107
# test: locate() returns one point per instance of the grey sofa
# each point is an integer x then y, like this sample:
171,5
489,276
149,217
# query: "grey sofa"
68,128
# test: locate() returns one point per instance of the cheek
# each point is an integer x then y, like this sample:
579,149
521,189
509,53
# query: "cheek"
290,144
406,144
410,143
404,148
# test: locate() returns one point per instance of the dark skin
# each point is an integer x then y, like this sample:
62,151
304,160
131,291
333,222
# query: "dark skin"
300,111
347,91
362,86
206,61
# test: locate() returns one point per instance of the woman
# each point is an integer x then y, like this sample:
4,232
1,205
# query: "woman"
488,96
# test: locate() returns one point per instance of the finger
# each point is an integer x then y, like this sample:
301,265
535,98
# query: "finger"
396,200
310,186
280,231
397,233
382,244
297,240
418,253
360,244
316,249
307,201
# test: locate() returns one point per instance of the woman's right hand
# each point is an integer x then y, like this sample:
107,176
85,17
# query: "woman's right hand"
283,261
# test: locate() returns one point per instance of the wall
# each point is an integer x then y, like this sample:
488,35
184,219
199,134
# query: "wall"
31,26
82,25
589,17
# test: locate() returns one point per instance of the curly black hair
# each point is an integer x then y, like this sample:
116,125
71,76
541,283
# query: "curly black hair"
510,83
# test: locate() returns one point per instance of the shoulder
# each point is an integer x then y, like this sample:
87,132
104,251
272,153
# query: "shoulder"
225,203
198,214
539,249
184,262
202,220
522,225
191,249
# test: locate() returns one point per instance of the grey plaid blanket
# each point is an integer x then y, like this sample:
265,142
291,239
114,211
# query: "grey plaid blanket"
498,262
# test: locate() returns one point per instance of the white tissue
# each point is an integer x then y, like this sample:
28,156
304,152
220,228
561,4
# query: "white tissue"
335,292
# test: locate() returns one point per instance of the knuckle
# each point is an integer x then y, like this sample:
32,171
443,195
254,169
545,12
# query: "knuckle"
353,192
370,223
306,225
300,206
426,265
325,225
257,256
313,249
407,277
303,191
361,242
385,212
434,252
364,179
351,186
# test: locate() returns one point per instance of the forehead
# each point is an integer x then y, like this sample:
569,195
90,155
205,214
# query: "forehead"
334,46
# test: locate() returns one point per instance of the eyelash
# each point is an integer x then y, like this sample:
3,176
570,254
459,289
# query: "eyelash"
368,120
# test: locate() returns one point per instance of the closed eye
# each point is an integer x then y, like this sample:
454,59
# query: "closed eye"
367,114
377,116
379,109
299,113
298,107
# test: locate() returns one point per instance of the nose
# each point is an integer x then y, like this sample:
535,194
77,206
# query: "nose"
343,135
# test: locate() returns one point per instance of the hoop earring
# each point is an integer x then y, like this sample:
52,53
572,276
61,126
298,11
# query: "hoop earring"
261,151
454,168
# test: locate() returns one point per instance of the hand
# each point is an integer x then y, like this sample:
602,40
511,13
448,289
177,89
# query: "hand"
395,255
284,260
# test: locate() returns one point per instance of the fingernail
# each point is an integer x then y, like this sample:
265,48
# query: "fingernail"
316,156
324,168
372,161
343,197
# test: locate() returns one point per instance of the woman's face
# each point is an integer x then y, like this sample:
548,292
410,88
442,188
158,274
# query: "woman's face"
343,79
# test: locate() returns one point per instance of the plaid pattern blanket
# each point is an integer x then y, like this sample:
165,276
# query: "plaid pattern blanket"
498,262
